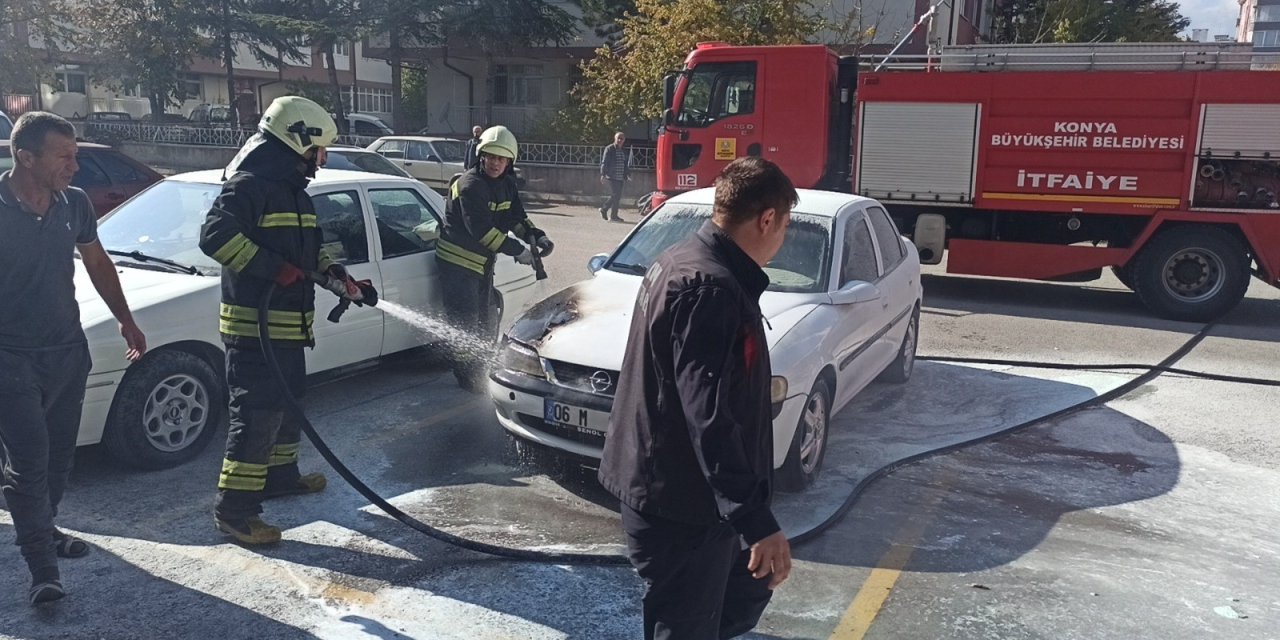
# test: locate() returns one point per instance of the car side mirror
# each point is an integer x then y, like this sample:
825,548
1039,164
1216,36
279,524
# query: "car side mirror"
668,118
596,262
669,90
856,292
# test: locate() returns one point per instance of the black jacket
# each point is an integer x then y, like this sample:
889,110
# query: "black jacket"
691,433
262,219
480,212
470,159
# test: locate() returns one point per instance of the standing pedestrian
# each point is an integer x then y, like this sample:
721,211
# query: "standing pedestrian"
262,228
615,170
689,450
44,356
483,209
471,158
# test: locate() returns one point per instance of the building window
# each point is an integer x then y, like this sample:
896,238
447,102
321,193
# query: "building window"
1268,13
1266,38
191,88
368,100
341,49
518,84
71,82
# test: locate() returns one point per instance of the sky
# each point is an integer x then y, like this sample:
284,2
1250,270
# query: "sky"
1218,16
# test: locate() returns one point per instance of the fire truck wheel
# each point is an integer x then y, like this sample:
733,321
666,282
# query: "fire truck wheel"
809,445
1192,273
1124,274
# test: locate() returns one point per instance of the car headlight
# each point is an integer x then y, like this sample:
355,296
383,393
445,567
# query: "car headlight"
777,393
521,359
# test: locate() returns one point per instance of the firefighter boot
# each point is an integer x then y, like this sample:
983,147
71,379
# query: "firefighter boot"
251,531
310,483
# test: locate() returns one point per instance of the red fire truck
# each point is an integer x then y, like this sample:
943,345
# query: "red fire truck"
1169,177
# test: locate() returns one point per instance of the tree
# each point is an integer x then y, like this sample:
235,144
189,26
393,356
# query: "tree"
602,15
623,83
406,24
21,65
254,24
1047,21
150,42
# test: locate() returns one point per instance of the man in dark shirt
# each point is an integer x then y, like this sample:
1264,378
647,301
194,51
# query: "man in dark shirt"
689,450
44,357
615,170
470,159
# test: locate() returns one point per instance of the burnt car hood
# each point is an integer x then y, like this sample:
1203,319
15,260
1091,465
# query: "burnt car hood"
588,322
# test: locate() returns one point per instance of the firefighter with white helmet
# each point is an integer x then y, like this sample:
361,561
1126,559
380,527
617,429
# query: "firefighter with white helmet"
263,230
483,212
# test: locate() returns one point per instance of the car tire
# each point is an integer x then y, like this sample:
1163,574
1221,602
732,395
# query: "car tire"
809,444
1124,274
1192,273
899,371
165,412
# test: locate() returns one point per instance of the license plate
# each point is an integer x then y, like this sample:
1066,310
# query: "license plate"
567,415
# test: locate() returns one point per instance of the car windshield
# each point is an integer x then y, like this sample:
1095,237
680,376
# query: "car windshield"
164,222
801,266
366,161
6,160
6,129
450,150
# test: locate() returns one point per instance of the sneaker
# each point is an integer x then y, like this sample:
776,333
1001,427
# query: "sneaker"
604,213
310,483
251,531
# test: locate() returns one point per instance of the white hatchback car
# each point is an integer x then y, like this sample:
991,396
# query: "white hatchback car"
843,308
162,410
430,159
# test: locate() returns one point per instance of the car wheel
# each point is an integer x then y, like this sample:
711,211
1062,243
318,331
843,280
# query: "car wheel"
1124,274
900,369
809,445
165,412
1192,273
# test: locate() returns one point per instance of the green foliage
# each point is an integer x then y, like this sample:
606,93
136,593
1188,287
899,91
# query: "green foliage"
414,101
319,92
623,84
21,66
1048,21
500,25
602,15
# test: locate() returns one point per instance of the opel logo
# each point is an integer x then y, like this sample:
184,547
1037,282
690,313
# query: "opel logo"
601,381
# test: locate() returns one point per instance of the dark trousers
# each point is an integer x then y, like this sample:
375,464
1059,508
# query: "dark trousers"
263,436
41,394
697,586
615,198
470,306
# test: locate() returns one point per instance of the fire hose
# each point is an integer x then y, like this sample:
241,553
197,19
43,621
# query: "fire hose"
566,558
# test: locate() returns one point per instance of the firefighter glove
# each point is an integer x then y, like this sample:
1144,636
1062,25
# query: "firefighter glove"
525,258
544,245
289,275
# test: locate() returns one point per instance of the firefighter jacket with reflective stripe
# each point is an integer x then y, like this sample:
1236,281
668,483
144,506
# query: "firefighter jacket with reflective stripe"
480,212
262,219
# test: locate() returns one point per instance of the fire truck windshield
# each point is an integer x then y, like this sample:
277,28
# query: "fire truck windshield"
717,90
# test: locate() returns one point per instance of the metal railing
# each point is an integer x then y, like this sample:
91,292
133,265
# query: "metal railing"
555,153
183,134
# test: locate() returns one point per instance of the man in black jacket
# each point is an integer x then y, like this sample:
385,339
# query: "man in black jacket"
470,159
689,450
263,228
615,170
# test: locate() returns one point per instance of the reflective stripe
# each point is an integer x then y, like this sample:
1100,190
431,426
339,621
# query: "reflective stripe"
500,206
284,325
453,189
283,454
454,254
242,476
524,227
306,220
236,253
494,239
325,261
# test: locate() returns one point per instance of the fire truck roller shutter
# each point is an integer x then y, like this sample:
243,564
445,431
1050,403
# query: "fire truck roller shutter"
896,135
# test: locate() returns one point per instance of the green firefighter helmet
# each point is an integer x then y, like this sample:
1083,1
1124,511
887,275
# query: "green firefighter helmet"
299,123
498,141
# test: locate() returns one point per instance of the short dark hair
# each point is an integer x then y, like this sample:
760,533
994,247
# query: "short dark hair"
749,186
31,130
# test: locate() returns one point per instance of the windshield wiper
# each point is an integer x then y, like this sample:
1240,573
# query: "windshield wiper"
635,269
142,257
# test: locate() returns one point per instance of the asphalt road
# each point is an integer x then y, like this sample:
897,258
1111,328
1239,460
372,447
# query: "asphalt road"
1150,517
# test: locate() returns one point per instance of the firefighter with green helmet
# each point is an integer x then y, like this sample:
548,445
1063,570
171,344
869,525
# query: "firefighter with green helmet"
484,211
263,230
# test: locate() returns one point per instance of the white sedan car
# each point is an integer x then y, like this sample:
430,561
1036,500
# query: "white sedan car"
162,410
842,309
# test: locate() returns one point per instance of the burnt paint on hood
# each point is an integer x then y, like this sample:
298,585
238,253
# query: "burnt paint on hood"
559,309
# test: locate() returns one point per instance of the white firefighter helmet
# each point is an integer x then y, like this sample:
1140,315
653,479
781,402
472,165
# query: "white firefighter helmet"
498,141
299,123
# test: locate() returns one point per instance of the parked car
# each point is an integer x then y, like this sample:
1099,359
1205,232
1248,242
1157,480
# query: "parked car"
95,132
357,159
363,124
163,410
6,126
211,115
842,308
108,176
432,160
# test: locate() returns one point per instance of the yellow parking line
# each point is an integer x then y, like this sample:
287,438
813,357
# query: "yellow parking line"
866,605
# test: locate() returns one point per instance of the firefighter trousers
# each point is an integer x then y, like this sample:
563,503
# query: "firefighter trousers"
41,393
471,306
263,436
